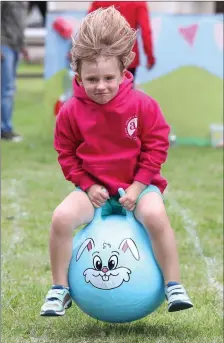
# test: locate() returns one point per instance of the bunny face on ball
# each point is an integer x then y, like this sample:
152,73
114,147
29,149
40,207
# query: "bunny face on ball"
108,270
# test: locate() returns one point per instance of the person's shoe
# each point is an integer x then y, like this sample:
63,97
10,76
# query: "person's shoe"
177,297
16,137
11,136
57,300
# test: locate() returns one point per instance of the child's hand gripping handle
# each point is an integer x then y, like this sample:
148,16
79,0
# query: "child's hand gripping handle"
129,214
98,211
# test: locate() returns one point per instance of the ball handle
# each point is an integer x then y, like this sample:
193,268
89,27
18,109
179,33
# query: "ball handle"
98,211
98,214
129,214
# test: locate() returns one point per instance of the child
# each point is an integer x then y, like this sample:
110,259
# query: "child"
108,136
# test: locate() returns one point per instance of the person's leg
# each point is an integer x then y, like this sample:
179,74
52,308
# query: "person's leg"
133,71
151,213
31,4
74,211
42,5
15,65
7,87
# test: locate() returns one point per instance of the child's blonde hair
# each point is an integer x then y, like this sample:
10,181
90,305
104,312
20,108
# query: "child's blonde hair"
104,32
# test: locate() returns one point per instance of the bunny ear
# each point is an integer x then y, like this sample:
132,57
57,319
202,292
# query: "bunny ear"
88,243
128,243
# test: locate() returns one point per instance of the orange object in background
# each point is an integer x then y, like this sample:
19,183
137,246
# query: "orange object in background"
58,105
63,27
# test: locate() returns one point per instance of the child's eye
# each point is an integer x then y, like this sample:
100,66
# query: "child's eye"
91,79
108,78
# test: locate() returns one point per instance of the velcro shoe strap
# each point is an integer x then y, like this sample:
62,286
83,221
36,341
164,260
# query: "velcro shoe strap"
175,288
53,305
57,294
178,297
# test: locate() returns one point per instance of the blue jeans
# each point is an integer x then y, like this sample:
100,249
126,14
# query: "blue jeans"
8,80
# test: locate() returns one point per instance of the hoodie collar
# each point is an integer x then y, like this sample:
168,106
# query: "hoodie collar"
125,87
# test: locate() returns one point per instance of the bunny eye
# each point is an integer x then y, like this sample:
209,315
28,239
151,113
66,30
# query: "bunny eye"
97,263
113,262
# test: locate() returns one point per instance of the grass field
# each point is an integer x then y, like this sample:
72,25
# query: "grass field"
31,68
32,186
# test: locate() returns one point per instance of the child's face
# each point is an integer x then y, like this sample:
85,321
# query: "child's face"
101,78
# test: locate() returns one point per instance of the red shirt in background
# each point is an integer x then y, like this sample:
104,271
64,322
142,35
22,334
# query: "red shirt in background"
137,15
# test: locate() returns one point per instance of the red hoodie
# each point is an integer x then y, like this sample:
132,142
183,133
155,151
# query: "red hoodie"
112,144
137,15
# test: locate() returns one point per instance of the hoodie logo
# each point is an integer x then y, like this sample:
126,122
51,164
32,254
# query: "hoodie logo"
131,127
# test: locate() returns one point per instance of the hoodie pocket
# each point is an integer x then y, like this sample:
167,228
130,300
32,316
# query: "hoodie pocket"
122,171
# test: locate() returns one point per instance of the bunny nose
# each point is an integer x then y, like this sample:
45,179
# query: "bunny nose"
105,269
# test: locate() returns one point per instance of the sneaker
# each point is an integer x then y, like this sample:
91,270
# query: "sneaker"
11,136
56,302
177,297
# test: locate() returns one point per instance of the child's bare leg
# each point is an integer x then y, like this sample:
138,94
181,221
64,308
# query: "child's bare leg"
150,211
75,210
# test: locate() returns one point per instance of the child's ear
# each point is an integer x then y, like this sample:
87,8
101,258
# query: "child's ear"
123,75
78,78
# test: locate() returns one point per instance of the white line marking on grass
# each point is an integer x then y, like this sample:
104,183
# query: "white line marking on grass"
15,207
17,234
210,262
190,226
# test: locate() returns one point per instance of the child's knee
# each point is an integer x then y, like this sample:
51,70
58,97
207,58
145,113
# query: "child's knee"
155,219
61,218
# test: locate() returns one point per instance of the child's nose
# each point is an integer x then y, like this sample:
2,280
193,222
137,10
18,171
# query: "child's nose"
105,269
100,85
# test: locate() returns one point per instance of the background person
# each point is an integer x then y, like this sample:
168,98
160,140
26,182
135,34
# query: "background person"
13,22
137,15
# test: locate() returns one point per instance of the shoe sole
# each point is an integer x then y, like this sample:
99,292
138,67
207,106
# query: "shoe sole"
179,306
17,139
51,313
